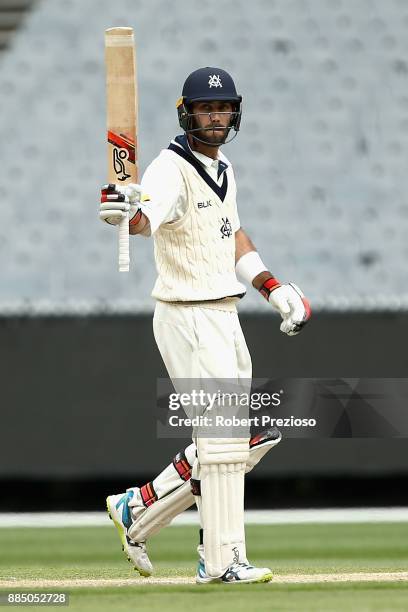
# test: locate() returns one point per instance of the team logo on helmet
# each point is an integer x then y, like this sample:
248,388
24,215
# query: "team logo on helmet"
214,80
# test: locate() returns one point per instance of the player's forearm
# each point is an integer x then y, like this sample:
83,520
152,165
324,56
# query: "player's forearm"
287,299
244,245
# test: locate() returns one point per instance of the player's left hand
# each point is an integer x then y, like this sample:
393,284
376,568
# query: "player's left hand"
293,307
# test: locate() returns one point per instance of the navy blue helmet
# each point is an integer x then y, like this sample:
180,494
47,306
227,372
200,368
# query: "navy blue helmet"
209,84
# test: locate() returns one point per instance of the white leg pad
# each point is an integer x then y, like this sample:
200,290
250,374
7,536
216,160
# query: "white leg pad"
222,450
161,513
177,495
260,445
220,469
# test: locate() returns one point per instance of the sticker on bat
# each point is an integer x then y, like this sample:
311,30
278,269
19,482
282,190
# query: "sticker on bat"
118,165
123,150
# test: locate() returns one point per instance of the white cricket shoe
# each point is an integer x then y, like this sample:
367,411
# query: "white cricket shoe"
236,573
120,514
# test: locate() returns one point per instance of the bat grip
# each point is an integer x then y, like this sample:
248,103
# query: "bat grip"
124,244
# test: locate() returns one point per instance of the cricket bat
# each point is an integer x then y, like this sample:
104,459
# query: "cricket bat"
121,107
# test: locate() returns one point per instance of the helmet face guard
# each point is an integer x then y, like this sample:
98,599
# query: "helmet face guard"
209,85
187,121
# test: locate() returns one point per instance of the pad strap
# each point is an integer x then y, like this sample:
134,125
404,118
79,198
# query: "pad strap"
182,466
148,494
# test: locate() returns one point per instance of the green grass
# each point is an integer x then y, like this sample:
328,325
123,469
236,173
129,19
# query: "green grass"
95,553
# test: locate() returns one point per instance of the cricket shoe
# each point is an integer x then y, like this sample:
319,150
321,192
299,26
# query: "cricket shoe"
119,512
236,573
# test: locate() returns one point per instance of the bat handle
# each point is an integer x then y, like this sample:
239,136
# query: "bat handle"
124,259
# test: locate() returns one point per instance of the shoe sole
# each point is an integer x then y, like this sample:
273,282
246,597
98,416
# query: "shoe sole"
122,536
265,578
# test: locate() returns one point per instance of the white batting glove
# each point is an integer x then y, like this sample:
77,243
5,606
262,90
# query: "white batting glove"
117,200
291,304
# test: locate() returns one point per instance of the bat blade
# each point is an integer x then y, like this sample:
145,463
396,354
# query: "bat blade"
121,107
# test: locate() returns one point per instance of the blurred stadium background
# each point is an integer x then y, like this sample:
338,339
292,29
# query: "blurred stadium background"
321,165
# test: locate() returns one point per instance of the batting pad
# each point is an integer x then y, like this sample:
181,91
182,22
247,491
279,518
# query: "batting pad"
176,495
220,468
161,513
221,508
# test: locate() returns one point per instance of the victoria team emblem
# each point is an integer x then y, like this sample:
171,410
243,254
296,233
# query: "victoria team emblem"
215,80
226,229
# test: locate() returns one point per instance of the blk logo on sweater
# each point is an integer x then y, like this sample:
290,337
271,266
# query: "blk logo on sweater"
205,204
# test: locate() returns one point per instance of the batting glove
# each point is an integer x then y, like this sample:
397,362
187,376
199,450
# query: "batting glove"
117,200
291,304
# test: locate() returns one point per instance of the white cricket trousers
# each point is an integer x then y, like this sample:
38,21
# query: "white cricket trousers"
197,342
203,343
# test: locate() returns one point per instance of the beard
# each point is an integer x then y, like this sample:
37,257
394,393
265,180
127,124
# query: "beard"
213,135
